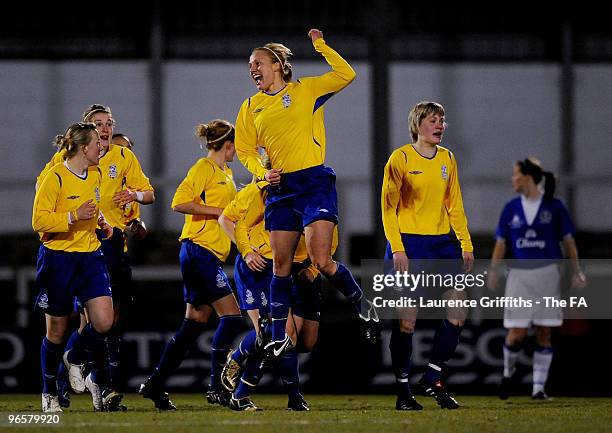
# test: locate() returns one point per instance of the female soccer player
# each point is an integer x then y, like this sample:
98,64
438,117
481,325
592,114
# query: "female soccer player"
530,231
286,118
208,188
243,221
70,262
421,201
123,183
131,212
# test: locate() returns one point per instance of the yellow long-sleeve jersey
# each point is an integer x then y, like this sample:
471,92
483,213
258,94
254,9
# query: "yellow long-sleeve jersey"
207,184
120,170
422,196
55,159
289,124
247,211
59,193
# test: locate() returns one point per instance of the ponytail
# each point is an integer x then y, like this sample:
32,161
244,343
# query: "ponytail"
531,167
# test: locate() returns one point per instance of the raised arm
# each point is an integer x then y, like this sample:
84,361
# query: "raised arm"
341,75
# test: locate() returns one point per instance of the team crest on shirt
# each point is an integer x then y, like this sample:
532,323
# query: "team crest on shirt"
264,301
112,171
97,193
545,217
249,297
43,302
444,172
221,281
286,100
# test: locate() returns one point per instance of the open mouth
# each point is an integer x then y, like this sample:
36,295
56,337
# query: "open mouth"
258,78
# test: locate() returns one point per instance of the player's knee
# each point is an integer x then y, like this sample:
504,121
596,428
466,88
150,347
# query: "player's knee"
282,266
407,326
324,263
306,343
456,321
543,336
515,337
55,336
103,325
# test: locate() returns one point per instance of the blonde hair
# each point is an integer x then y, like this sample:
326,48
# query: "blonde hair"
95,108
76,136
215,133
419,112
279,53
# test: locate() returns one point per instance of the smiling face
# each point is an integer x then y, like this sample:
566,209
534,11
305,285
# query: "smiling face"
431,129
263,70
104,125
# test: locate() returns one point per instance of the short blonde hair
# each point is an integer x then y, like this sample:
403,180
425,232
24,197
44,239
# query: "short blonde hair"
419,112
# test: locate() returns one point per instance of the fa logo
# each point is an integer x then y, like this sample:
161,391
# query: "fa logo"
444,173
264,301
43,302
97,193
249,297
221,281
286,100
112,171
545,217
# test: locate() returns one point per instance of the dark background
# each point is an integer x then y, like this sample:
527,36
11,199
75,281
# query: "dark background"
378,31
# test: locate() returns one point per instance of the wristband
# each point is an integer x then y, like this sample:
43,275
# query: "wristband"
73,217
139,196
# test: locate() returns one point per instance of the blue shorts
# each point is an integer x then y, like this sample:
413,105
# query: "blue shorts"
118,264
204,280
306,296
303,196
253,288
430,255
61,276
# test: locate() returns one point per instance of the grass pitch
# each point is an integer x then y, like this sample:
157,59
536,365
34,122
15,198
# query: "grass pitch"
334,413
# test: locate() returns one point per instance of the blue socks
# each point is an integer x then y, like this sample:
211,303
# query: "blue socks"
401,354
229,327
245,348
250,377
176,350
280,293
95,344
289,372
446,340
50,358
345,283
112,345
75,348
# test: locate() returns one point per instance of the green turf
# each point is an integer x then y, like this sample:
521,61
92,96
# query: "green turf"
335,413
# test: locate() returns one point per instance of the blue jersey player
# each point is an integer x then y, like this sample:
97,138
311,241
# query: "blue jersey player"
531,229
